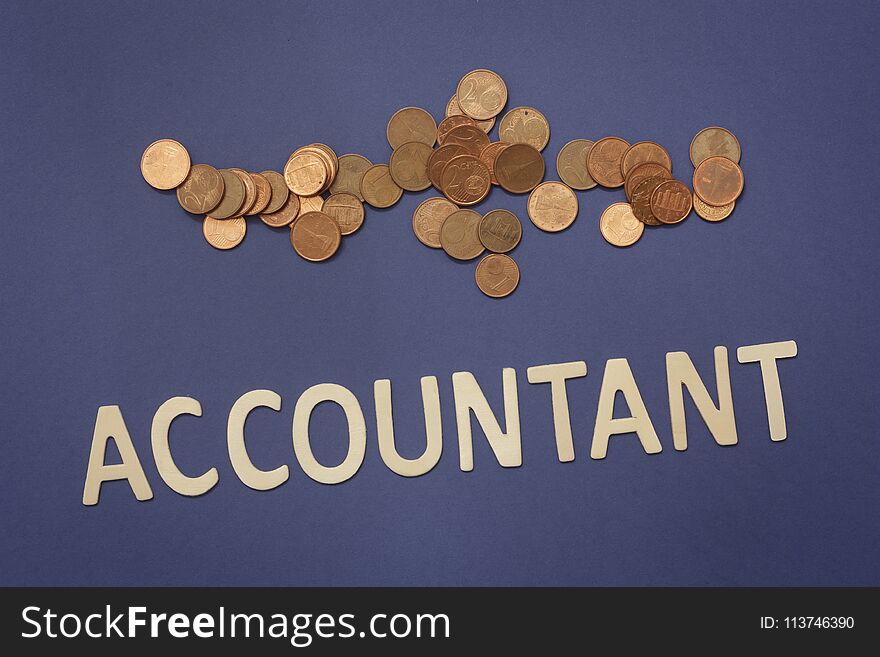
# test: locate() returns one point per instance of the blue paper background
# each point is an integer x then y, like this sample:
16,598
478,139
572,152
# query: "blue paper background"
110,295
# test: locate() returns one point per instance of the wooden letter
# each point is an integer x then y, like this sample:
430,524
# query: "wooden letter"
385,429
556,375
171,475
249,474
767,354
469,397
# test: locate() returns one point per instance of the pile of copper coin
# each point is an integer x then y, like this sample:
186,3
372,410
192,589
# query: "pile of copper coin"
319,196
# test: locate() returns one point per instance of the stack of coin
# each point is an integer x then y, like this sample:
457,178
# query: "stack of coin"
718,179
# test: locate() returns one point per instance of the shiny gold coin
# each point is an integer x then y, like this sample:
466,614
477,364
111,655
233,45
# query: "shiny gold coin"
224,234
500,231
469,137
311,203
465,180
250,190
671,201
306,173
165,164
233,196
202,190
619,225
439,159
481,94
264,193
429,217
571,164
280,191
409,165
489,155
641,200
450,122
525,125
642,172
519,168
378,187
411,124
711,212
552,206
315,236
642,152
603,161
497,275
351,171
452,109
459,235
718,181
347,211
713,141
285,215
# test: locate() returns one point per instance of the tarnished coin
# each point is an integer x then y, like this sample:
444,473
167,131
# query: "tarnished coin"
497,275
250,190
671,201
311,203
315,236
710,212
165,164
459,235
469,137
452,109
306,173
718,181
571,164
642,152
481,94
280,191
500,231
378,187
429,217
641,200
603,161
524,125
552,206
285,215
351,171
488,156
411,124
202,190
519,168
439,159
713,141
465,180
264,193
642,172
619,225
347,210
409,165
451,122
233,196
224,234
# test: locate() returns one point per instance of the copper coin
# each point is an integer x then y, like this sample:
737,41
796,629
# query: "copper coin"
352,168
481,94
552,206
224,234
311,203
641,200
459,235
202,190
525,125
347,210
710,212
497,275
264,193
619,225
328,160
642,152
411,124
280,191
469,137
450,122
334,160
233,196
519,168
603,161
315,236
250,190
429,217
452,109
718,181
500,231
465,180
571,164
306,173
378,187
488,156
713,141
671,201
285,215
439,159
642,172
409,166
165,164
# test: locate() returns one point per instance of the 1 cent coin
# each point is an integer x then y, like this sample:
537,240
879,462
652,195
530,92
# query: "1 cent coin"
641,200
500,231
429,217
165,164
642,172
409,165
224,234
311,203
315,236
378,187
603,161
233,196
713,141
671,201
489,155
306,173
351,171
552,206
347,210
642,152
459,235
497,275
525,125
718,181
285,215
202,190
411,124
250,190
710,212
571,164
481,94
280,191
519,168
264,193
619,225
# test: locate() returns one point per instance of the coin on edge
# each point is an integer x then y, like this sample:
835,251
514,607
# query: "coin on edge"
552,206
411,124
452,109
671,201
315,236
619,225
642,152
285,215
165,164
224,234
524,125
378,187
519,168
280,191
571,164
481,94
488,156
465,180
347,210
500,231
429,217
408,165
709,142
603,161
233,196
202,190
351,171
459,235
497,275
718,181
711,212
